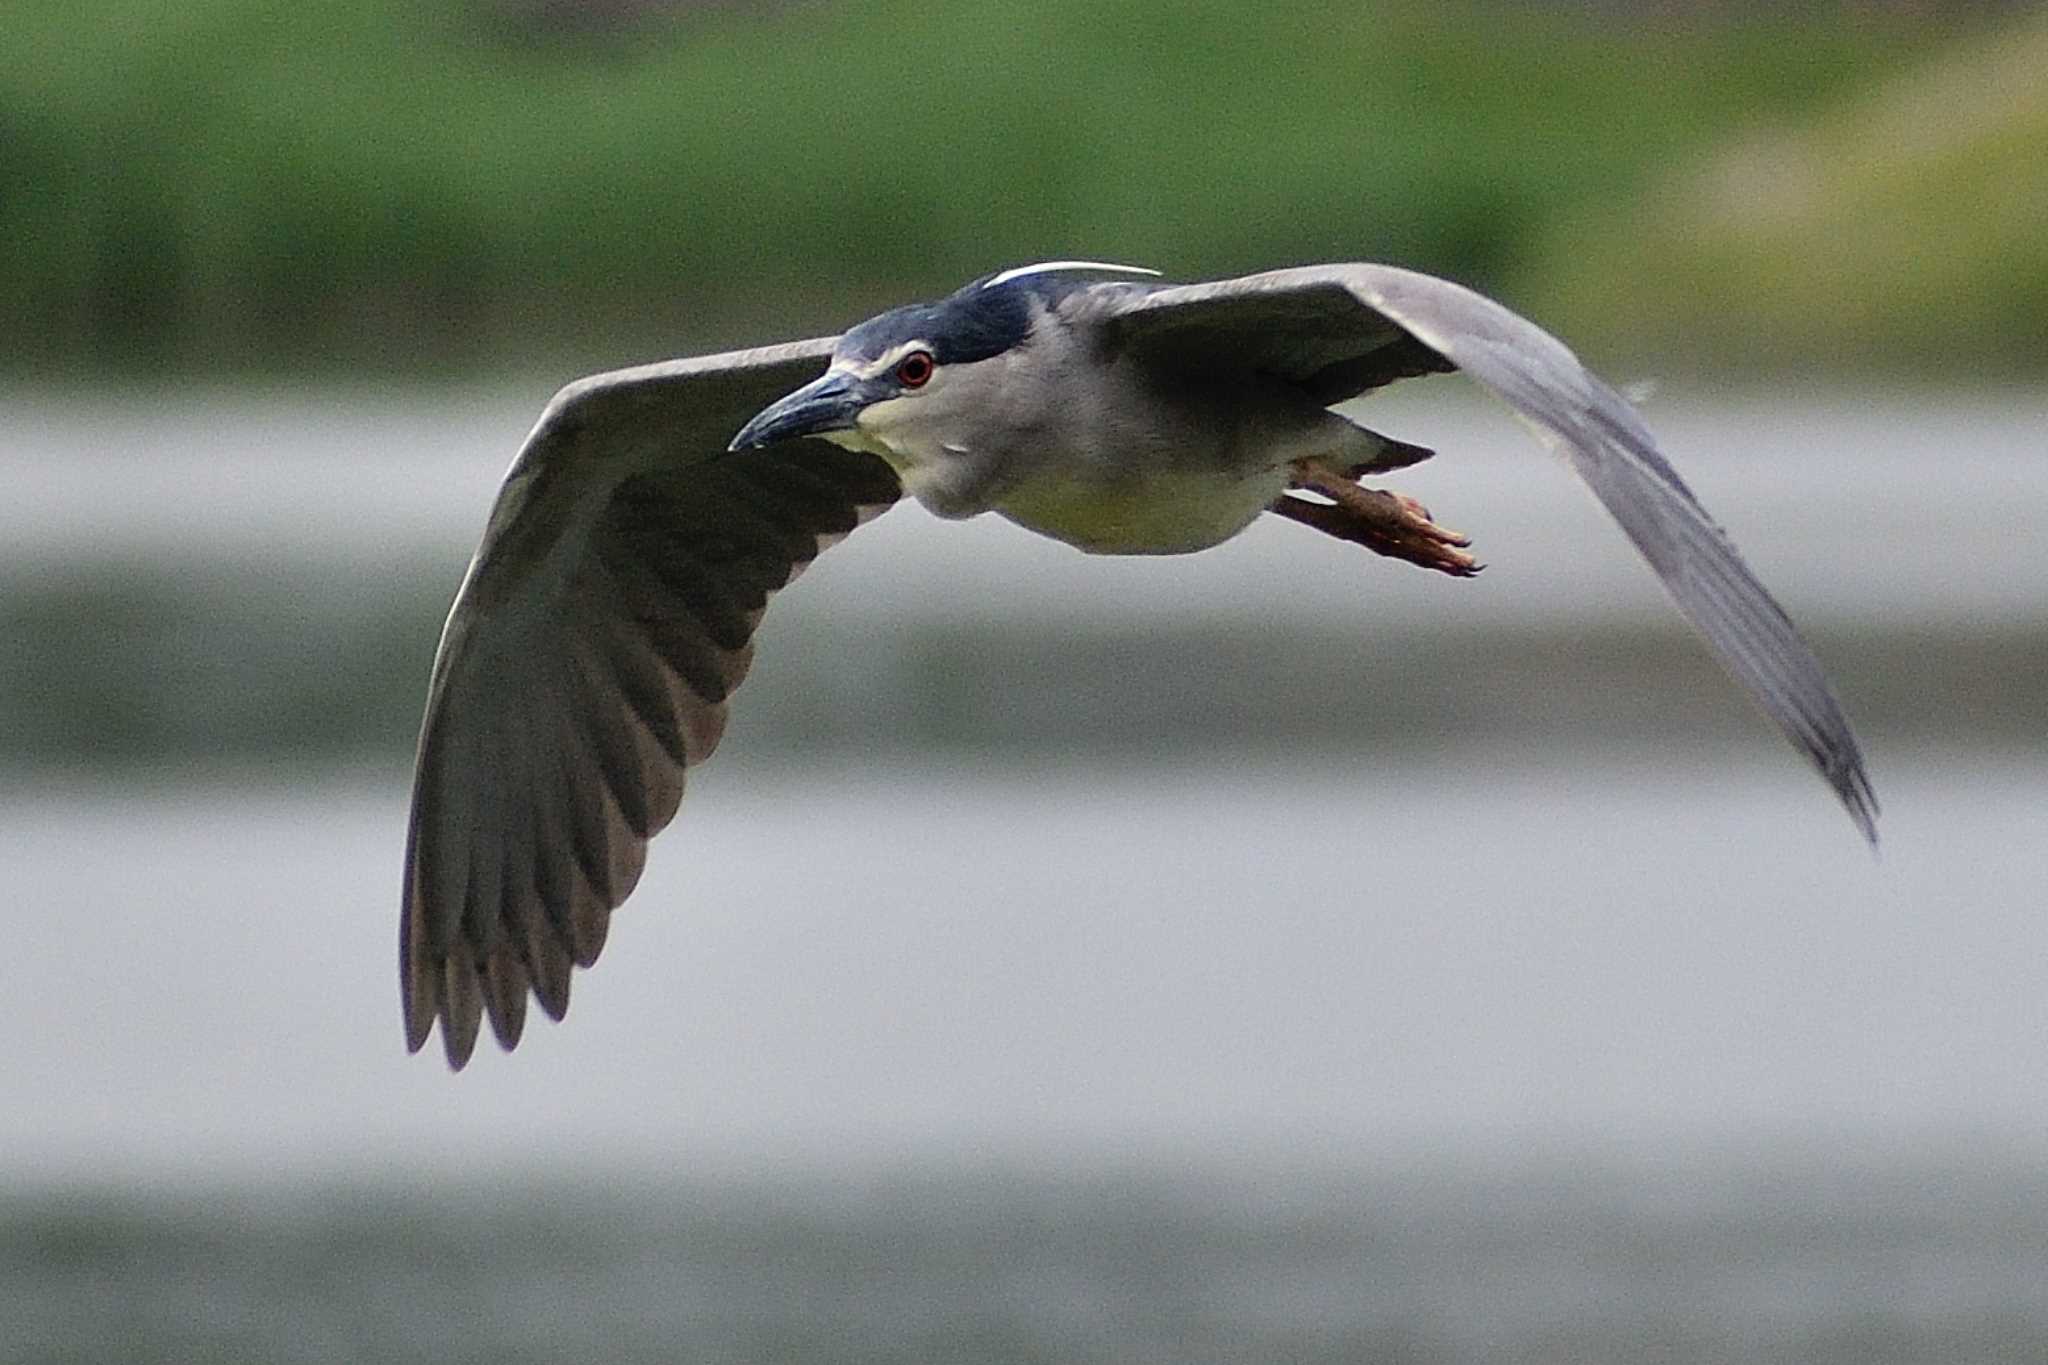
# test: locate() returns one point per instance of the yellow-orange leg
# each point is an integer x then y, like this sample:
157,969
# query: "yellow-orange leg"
1392,524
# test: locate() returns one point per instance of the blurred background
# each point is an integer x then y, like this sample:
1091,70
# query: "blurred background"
1272,954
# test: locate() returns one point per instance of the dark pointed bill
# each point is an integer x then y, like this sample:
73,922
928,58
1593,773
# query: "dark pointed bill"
828,403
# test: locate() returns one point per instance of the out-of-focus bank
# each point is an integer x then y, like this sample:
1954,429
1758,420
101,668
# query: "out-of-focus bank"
180,595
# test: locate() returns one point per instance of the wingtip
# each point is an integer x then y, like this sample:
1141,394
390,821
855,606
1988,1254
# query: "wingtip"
1863,809
1858,797
457,1044
419,995
505,997
462,1010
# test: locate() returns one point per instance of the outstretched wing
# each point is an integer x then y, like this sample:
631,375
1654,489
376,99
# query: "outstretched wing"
1339,329
586,664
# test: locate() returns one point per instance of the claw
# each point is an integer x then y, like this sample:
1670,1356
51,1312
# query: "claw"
1415,515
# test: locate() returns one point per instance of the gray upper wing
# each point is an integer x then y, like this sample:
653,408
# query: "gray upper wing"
586,663
1315,336
1338,316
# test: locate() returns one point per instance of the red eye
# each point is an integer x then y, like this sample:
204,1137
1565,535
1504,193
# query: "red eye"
914,370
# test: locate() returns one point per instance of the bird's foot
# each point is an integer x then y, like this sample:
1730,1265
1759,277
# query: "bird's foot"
1385,522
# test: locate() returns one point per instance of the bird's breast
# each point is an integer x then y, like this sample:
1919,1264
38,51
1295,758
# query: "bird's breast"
1162,512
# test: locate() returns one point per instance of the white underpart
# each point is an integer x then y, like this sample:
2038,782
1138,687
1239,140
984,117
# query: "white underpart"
1018,272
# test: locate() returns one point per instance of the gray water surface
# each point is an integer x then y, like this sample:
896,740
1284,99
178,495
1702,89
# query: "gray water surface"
895,962
1903,1259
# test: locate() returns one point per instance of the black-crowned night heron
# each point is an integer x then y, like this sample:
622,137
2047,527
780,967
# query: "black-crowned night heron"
607,615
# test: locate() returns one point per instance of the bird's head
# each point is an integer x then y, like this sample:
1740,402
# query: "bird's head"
927,383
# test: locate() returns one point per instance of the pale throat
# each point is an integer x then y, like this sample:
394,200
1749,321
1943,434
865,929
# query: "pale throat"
881,429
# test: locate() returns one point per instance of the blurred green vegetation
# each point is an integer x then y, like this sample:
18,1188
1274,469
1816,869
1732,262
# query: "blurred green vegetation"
236,186
1906,227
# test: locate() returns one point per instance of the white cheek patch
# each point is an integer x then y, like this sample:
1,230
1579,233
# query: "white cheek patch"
930,427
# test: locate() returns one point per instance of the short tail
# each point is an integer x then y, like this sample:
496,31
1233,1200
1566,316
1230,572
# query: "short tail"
1384,453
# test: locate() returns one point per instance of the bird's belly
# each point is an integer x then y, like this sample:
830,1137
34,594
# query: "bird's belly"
1163,513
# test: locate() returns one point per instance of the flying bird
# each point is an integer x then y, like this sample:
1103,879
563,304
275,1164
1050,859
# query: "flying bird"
606,617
